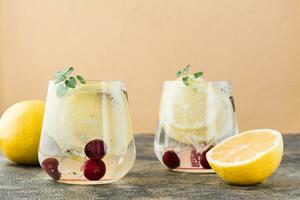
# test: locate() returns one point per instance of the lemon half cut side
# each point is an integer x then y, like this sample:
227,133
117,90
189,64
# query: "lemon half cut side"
247,158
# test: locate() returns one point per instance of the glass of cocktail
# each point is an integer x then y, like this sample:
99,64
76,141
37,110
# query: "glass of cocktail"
87,135
194,116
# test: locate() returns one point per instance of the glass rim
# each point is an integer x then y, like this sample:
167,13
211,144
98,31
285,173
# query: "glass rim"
214,81
116,85
217,83
99,81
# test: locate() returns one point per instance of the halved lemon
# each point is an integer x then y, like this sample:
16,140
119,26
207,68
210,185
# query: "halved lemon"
247,158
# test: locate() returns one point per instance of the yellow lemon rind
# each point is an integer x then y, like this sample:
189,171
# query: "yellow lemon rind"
251,171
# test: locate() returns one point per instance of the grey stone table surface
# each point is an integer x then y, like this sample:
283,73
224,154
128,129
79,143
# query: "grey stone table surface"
148,179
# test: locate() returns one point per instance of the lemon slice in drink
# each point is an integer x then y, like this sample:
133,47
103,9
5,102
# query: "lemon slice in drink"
186,109
93,111
247,158
183,111
197,113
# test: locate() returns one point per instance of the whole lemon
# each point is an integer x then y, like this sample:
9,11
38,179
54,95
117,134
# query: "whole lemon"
20,130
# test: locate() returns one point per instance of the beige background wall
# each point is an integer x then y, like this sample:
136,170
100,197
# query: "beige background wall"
253,43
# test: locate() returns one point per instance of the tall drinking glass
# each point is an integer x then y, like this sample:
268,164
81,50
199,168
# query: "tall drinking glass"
87,135
192,120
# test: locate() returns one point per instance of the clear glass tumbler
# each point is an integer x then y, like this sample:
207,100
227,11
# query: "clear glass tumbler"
87,135
192,120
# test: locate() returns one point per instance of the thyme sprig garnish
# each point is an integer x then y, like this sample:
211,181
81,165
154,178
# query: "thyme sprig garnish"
64,81
187,80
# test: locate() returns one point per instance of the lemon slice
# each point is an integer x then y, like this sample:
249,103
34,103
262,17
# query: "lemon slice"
186,107
248,158
197,113
92,111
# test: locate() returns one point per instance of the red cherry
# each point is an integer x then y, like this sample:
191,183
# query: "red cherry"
50,165
204,162
95,149
94,169
203,159
195,158
171,159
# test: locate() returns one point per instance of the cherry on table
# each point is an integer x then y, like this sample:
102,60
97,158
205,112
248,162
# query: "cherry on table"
95,149
94,169
50,165
171,159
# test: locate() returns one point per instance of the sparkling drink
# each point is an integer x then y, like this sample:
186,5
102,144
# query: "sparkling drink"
192,120
87,135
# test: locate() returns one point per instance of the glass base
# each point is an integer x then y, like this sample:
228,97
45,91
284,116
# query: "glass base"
194,170
85,182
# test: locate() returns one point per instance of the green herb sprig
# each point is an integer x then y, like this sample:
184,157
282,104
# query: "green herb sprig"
65,82
187,80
